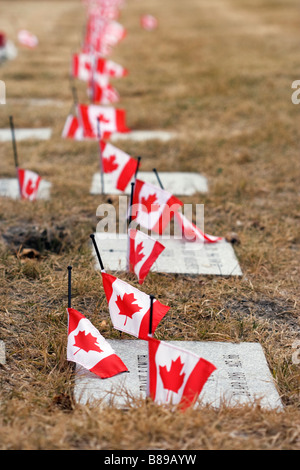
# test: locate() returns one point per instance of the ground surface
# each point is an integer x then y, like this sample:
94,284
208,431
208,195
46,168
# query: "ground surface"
218,72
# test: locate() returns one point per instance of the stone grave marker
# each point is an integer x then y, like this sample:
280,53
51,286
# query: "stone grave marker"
9,187
178,257
43,133
144,135
179,183
242,376
2,353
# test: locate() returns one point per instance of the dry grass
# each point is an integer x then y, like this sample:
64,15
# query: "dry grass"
220,74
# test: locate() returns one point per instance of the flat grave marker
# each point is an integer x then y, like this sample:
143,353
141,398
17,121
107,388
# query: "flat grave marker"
144,135
179,183
43,133
242,376
2,353
9,187
178,257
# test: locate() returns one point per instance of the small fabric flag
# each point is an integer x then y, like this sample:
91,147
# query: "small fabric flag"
26,38
192,233
88,348
104,8
153,207
29,182
81,67
72,128
110,68
102,34
103,94
129,308
149,22
176,376
84,64
111,120
119,164
143,252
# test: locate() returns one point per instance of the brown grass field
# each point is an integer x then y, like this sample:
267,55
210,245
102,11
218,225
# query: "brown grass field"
218,72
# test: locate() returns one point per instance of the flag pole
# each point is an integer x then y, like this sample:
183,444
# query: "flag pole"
11,121
151,314
129,222
12,127
150,335
137,168
75,96
158,178
69,286
100,155
92,236
130,204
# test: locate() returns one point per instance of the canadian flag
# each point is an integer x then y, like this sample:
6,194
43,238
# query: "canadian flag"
143,252
110,68
129,308
88,348
119,164
153,207
105,10
114,32
84,64
149,22
29,182
81,67
27,39
72,128
192,233
102,34
110,119
176,376
103,93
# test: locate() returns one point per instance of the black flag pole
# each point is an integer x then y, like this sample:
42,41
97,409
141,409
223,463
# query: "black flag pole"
69,286
151,314
73,108
158,178
129,222
13,137
100,157
130,204
92,236
137,167
75,96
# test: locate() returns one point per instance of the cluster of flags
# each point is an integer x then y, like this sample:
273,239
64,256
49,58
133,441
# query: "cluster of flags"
98,119
174,375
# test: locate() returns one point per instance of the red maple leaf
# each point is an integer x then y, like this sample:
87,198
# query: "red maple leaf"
172,379
139,255
148,203
30,187
109,164
102,118
86,342
126,306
